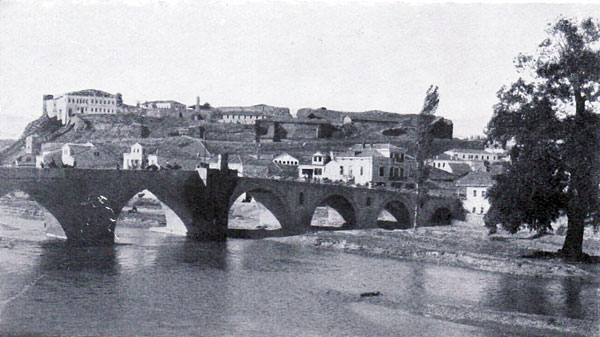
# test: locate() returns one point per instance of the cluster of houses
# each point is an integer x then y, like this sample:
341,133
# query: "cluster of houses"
464,172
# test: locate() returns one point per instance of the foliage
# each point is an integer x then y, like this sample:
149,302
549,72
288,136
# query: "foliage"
424,143
553,122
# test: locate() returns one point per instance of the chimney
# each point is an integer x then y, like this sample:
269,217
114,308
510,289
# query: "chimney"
224,161
197,103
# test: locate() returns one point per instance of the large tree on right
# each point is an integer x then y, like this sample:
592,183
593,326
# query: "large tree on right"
551,115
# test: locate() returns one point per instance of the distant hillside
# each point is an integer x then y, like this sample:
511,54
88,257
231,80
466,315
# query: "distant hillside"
4,143
220,137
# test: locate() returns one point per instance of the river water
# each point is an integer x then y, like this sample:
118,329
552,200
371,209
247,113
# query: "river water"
157,285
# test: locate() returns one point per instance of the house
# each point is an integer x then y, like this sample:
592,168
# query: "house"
315,167
137,157
373,164
286,159
70,151
240,117
166,108
472,189
49,159
89,101
87,155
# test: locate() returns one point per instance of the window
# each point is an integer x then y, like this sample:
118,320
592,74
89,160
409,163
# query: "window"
474,193
381,171
474,210
318,171
481,210
301,198
361,170
444,165
391,171
341,170
368,203
483,193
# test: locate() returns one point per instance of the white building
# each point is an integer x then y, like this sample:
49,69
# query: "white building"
375,165
138,158
71,150
286,159
89,101
316,168
473,189
238,117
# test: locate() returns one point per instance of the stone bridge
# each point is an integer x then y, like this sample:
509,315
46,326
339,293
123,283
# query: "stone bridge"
87,202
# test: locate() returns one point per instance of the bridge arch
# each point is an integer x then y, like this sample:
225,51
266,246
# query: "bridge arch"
40,218
441,216
271,199
394,214
344,205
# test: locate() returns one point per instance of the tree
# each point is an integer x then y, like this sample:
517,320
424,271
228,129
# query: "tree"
553,120
424,145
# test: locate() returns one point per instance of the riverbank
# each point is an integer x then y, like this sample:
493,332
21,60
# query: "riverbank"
464,244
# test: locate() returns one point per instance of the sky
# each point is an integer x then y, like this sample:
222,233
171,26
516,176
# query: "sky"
353,56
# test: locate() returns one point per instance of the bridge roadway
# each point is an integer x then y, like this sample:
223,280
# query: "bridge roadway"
87,202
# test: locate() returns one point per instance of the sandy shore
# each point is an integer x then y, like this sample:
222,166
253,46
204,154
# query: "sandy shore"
463,244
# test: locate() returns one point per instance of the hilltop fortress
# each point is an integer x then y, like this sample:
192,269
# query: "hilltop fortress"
269,123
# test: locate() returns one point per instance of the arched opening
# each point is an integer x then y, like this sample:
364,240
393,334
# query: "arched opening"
394,215
145,213
21,217
441,216
335,212
256,209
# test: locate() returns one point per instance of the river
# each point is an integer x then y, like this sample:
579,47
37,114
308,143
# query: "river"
152,284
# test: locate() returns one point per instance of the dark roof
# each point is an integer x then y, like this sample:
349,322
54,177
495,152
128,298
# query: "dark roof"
300,120
164,101
474,151
91,92
444,156
367,152
460,168
476,179
439,174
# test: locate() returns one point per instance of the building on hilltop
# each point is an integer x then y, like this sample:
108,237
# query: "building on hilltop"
166,108
249,114
472,190
89,101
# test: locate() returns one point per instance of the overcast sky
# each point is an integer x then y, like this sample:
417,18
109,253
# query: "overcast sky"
351,57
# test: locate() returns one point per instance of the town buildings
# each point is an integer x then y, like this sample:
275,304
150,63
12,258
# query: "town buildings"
89,101
363,164
472,189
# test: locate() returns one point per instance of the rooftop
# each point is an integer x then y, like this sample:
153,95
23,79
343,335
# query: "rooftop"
90,92
475,179
473,151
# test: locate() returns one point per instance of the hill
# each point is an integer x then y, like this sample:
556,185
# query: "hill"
219,137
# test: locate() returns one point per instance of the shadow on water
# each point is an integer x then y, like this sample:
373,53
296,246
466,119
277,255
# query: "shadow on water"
57,256
569,297
203,255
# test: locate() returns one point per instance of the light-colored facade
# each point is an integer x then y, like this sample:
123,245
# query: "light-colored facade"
241,117
134,159
71,150
286,159
166,105
373,165
90,101
473,189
